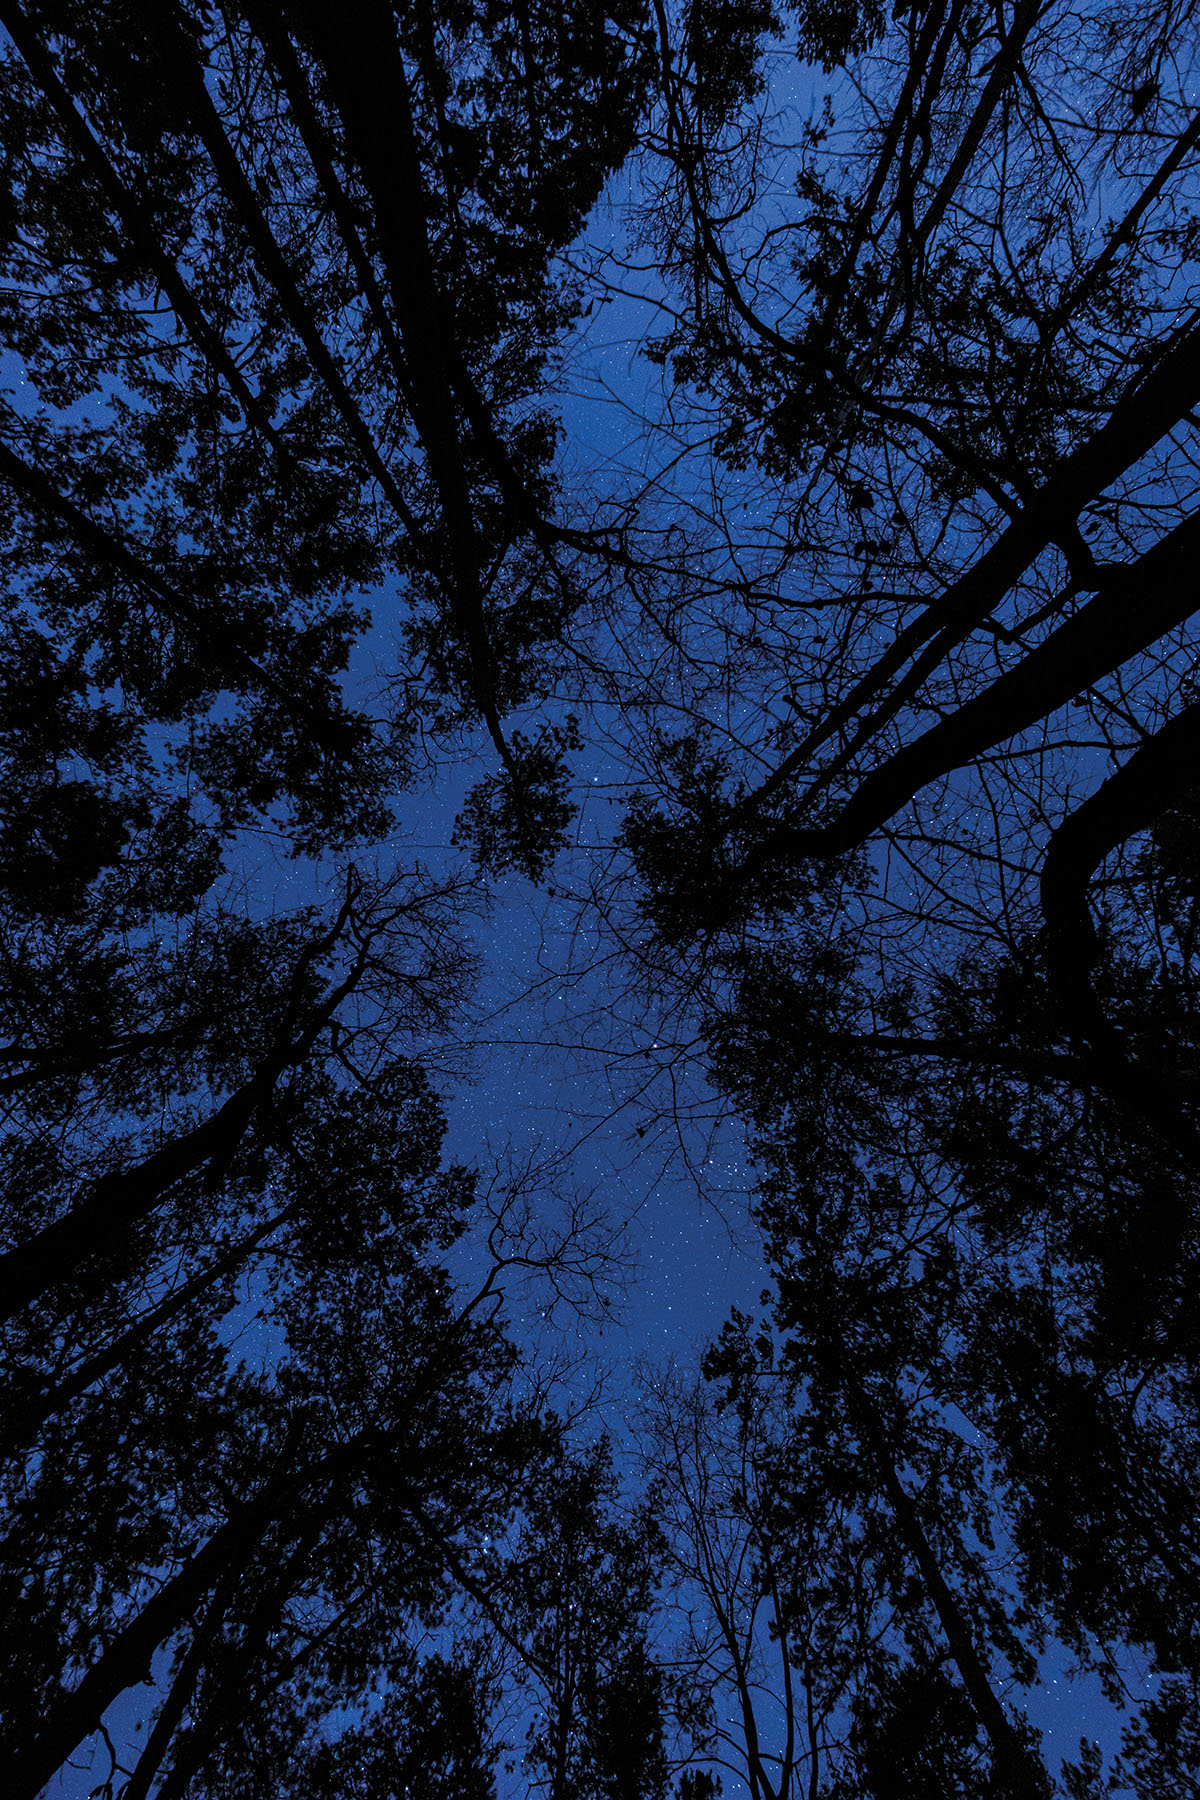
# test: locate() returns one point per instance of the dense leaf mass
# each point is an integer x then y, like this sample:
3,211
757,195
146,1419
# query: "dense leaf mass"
777,422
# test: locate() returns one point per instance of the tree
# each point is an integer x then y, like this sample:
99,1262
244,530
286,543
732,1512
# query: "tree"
921,847
881,1598
961,398
981,1241
227,167
269,1072
430,1737
887,627
282,1534
742,1672
575,1597
282,296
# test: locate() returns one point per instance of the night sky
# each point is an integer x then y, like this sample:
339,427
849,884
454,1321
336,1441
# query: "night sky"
557,1072
560,1069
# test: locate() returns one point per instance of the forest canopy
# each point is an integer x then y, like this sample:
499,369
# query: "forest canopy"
779,423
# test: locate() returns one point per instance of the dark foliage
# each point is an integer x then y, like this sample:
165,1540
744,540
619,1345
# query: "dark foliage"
883,615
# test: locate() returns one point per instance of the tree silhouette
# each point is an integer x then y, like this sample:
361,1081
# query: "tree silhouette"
870,606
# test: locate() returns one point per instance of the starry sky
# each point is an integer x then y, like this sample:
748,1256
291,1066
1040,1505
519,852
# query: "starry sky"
561,1065
559,1075
563,1075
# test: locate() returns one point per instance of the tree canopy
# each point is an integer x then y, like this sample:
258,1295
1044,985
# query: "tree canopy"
781,423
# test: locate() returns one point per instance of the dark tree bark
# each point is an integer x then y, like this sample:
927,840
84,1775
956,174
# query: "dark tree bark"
97,1224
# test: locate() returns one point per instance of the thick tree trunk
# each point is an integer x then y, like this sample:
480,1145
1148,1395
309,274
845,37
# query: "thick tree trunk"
1148,409
369,83
178,1698
1019,1774
27,1416
30,1764
221,1707
236,187
141,234
1137,607
98,1223
55,1255
1156,777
